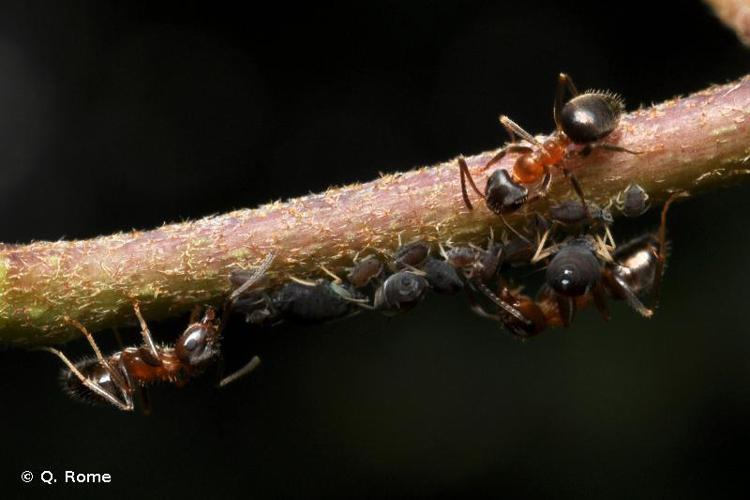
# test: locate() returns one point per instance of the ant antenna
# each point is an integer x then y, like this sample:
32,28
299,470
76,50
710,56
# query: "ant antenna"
257,275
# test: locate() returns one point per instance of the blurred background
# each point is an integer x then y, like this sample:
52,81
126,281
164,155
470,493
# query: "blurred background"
123,116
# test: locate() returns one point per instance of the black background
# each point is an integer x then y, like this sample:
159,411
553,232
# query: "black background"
114,117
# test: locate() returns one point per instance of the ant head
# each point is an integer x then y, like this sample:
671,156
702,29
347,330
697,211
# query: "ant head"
99,375
574,270
591,116
503,194
198,343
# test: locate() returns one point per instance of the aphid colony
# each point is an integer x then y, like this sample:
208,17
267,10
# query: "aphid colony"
572,243
574,247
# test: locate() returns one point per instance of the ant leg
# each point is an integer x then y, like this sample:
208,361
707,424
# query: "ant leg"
501,303
513,148
515,129
464,168
662,255
146,333
563,81
254,278
576,187
128,406
249,367
141,393
567,309
613,147
631,298
104,362
600,301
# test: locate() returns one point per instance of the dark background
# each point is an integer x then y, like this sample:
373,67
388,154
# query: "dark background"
114,117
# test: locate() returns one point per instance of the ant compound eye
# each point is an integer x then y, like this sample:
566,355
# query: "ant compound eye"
503,194
573,271
591,116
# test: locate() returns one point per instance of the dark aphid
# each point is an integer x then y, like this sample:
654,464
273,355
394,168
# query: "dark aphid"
591,116
411,255
442,276
475,263
517,252
632,201
365,271
400,292
584,120
573,212
313,303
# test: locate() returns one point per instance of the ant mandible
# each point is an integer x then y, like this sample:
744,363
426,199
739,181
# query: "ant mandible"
580,124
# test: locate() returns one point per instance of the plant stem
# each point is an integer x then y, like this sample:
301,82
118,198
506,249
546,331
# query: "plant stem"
693,143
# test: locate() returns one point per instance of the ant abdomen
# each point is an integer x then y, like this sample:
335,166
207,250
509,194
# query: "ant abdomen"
574,270
591,116
95,372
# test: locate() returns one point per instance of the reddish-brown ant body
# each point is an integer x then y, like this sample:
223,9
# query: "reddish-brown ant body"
116,378
580,125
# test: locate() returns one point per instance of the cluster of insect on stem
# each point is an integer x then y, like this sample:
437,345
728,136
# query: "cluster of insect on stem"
572,242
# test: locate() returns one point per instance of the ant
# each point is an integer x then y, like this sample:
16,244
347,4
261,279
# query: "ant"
114,379
578,273
580,125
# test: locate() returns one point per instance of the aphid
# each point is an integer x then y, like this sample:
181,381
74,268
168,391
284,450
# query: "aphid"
573,213
442,276
410,256
307,303
400,292
365,271
580,125
475,263
114,379
632,201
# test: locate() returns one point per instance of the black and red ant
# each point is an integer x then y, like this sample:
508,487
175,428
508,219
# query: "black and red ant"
580,125
580,271
114,379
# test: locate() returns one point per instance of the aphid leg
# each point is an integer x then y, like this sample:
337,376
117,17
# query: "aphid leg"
602,250
563,82
301,281
249,367
330,273
662,255
541,252
146,333
94,387
256,276
512,229
464,168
